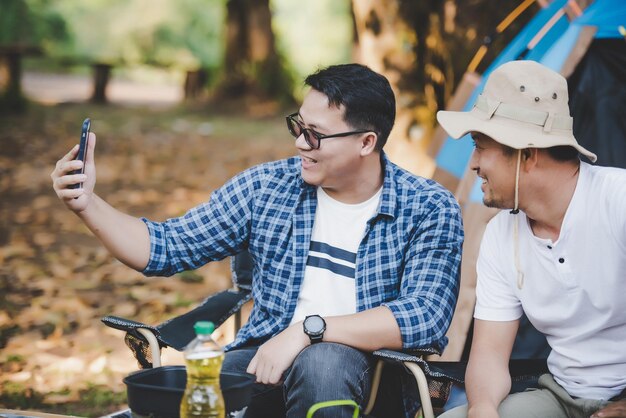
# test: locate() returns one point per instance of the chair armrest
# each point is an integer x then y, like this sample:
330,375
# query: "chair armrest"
414,362
130,326
145,341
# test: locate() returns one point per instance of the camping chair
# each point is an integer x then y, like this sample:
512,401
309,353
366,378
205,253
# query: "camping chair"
434,379
146,341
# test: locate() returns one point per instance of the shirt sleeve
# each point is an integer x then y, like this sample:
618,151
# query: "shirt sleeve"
430,280
495,294
211,231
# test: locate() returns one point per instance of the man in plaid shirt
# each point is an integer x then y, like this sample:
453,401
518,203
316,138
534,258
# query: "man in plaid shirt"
351,253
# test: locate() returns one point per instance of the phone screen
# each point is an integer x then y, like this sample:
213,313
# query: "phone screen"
82,149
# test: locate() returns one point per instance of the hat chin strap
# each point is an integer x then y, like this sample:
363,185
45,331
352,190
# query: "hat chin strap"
515,211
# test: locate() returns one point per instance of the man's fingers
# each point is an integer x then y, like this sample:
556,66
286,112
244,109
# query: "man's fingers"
69,194
260,373
71,154
67,157
66,164
275,376
66,181
63,168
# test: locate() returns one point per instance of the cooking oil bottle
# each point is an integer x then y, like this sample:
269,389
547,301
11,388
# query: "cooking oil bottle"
203,360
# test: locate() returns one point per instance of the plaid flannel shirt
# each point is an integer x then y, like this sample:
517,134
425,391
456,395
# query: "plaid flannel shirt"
408,260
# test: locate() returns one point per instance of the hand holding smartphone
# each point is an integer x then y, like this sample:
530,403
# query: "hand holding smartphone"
82,150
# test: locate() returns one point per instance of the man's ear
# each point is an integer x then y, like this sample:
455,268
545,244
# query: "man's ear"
368,143
529,157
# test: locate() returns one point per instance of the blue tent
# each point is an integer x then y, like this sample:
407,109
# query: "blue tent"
550,38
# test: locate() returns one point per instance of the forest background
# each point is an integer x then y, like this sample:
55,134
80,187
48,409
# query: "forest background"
217,78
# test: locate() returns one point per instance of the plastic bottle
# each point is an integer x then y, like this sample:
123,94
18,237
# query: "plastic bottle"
203,358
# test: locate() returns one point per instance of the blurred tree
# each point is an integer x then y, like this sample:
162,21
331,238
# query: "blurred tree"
182,35
204,38
312,35
192,38
424,47
26,28
252,64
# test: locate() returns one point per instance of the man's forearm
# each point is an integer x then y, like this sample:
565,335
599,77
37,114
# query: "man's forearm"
125,236
486,387
487,380
367,331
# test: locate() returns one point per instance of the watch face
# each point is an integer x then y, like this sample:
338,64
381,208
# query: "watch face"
314,324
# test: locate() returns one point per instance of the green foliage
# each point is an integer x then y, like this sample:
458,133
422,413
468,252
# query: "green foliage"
32,23
180,34
192,36
312,34
17,396
94,400
98,397
190,276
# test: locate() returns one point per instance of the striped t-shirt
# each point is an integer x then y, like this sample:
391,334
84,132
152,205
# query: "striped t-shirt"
328,288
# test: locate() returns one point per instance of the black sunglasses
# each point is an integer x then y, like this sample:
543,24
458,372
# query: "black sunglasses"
312,138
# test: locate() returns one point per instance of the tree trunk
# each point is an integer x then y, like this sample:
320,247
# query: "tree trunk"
101,77
382,38
194,83
12,98
252,65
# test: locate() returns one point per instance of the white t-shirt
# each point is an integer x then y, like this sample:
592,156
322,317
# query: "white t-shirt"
574,289
328,287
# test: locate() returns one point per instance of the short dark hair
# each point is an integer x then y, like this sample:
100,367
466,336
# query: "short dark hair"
367,97
563,153
560,153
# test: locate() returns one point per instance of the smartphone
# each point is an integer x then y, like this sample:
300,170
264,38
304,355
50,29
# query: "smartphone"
82,150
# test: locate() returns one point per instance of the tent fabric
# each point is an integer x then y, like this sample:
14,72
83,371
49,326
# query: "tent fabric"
607,15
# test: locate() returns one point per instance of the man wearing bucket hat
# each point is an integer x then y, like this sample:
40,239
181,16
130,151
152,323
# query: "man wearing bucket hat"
559,254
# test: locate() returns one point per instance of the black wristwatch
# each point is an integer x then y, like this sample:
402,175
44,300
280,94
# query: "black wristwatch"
314,326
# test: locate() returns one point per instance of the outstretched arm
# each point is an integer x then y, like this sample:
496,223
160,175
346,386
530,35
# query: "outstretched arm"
125,236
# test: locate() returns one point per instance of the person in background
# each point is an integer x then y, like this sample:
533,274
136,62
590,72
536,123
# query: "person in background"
351,253
557,252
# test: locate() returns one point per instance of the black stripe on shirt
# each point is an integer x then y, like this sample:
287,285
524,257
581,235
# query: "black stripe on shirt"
334,252
326,264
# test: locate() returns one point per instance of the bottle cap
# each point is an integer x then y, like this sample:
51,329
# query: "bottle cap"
204,327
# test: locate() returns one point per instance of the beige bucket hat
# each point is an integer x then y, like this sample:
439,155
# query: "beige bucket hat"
523,105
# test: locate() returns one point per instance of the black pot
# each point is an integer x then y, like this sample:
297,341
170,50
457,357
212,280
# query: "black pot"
157,392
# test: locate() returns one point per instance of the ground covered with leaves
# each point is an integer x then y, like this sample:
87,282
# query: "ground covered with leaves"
57,281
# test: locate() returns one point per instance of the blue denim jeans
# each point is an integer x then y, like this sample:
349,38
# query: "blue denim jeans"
321,372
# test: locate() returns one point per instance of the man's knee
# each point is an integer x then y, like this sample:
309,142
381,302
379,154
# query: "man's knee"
237,361
528,404
329,362
324,372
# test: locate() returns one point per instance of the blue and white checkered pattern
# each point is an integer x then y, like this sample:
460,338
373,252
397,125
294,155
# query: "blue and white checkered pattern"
409,259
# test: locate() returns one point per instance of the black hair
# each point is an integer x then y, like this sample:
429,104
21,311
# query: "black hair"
367,97
563,153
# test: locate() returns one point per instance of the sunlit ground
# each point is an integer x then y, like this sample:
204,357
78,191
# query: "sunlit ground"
59,88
